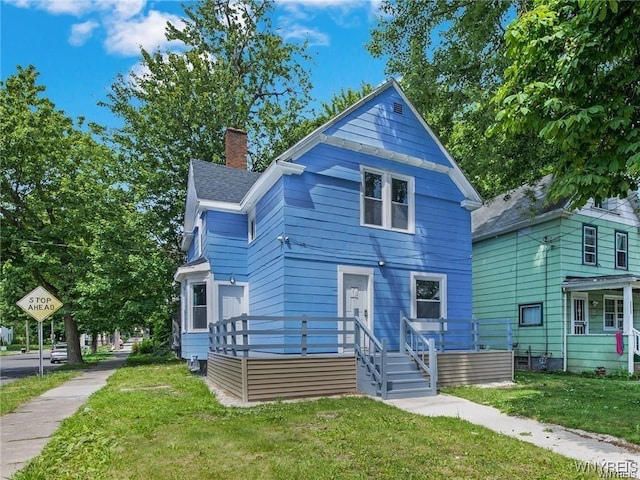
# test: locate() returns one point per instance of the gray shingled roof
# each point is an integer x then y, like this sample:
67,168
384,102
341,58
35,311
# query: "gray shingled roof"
507,210
220,183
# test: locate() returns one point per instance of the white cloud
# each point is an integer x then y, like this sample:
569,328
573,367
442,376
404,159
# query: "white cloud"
300,32
126,37
126,26
81,32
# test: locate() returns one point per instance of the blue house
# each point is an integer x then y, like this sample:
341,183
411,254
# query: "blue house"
368,216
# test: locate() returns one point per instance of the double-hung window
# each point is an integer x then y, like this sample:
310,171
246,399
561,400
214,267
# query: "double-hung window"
622,246
199,306
429,294
613,313
589,245
387,200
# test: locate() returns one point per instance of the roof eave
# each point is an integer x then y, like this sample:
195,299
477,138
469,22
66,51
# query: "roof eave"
559,213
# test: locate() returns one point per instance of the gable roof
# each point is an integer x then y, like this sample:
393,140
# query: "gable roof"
220,183
472,198
512,210
218,187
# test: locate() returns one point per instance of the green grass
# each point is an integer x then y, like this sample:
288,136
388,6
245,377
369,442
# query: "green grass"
599,405
14,394
160,422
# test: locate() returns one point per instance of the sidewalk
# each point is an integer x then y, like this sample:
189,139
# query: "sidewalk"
593,452
25,432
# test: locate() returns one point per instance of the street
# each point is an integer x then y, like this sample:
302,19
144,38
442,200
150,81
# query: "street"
13,367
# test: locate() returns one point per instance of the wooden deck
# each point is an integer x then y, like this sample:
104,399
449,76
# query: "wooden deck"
260,358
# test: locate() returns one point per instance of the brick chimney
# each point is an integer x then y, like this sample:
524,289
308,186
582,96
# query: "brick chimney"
235,148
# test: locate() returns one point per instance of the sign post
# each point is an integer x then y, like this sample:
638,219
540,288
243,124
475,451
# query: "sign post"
40,304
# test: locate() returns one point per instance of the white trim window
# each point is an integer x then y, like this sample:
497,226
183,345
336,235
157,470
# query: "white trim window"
613,316
387,200
428,297
622,249
589,245
199,306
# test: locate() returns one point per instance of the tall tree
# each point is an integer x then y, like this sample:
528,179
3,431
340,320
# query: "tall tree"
64,214
449,55
234,71
574,78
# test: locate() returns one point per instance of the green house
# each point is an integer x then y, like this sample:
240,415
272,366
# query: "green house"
568,280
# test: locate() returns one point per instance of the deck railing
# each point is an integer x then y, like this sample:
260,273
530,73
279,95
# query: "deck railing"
457,334
303,335
419,347
372,354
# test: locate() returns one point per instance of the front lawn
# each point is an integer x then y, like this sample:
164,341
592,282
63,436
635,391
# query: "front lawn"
599,405
161,422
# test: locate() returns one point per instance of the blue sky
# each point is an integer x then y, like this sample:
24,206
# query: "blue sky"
80,46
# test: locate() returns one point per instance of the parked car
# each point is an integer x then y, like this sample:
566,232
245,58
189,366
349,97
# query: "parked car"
59,353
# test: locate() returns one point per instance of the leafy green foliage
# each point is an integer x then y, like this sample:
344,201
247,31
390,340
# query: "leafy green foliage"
68,223
572,79
165,424
449,55
234,71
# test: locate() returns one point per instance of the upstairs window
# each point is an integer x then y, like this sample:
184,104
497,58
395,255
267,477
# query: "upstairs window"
589,245
622,246
387,200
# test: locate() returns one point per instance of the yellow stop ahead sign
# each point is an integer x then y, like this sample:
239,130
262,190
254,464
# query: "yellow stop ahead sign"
40,304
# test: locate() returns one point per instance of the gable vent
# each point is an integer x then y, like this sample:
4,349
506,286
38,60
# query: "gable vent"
398,108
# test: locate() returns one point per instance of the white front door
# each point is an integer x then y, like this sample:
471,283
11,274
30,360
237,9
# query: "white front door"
580,313
355,295
231,303
355,299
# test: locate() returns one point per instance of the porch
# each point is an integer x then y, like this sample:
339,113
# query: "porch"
264,358
601,324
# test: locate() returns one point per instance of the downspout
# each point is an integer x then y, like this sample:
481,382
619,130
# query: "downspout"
564,330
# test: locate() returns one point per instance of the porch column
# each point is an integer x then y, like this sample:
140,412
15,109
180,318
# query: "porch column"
628,324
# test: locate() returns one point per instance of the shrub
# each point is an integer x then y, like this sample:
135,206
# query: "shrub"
146,346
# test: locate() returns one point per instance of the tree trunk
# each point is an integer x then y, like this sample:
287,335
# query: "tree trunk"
74,354
94,342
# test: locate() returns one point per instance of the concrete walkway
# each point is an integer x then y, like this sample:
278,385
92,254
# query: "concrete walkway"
25,432
593,452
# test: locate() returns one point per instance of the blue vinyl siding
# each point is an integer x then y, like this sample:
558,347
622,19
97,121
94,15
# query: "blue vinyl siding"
322,221
375,124
227,245
195,344
266,263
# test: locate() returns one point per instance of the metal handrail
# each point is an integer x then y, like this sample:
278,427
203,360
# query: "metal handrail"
417,346
372,353
467,334
235,337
